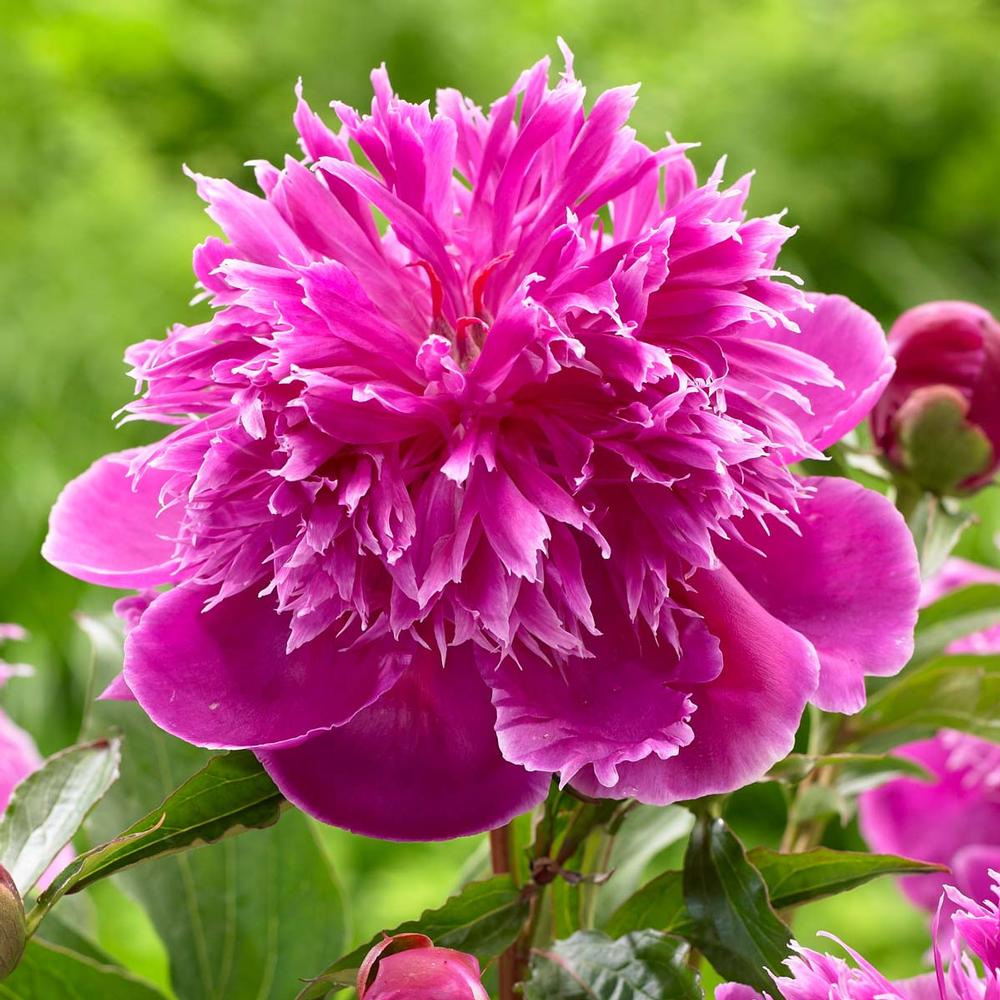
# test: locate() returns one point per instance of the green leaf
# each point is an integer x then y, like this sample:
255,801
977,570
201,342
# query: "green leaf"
645,832
49,971
244,917
791,879
936,523
658,904
867,769
817,802
66,935
231,794
852,774
591,966
952,692
800,878
733,922
957,614
483,919
49,806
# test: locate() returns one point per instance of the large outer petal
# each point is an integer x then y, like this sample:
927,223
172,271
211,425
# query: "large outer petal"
851,342
849,582
746,717
222,678
421,763
105,529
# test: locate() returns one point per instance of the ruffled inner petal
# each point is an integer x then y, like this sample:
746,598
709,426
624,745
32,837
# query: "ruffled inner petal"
746,717
629,702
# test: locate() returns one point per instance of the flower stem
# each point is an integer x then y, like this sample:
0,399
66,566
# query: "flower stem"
500,850
799,835
501,861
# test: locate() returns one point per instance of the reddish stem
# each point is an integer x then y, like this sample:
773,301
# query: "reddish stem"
507,963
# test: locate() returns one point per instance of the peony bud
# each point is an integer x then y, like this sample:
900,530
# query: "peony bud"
939,418
12,928
409,967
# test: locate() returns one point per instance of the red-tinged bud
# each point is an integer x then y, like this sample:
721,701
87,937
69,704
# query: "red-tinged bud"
409,967
939,418
12,926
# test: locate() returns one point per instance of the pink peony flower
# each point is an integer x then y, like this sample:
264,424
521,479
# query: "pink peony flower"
408,967
977,925
955,819
480,473
947,360
815,976
19,756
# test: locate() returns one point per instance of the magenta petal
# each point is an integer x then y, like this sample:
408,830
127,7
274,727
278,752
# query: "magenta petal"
223,679
628,703
421,763
107,529
746,717
117,690
851,342
18,757
971,867
957,812
736,991
849,582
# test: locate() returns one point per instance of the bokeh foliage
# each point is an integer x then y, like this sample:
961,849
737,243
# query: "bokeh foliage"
876,122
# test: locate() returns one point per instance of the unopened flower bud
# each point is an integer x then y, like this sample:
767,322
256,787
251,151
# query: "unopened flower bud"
939,418
12,927
409,967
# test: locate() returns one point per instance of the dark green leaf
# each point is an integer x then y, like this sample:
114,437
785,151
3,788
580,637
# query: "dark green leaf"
591,966
232,793
483,919
954,692
49,806
957,614
51,972
245,917
733,922
791,879
800,878
658,904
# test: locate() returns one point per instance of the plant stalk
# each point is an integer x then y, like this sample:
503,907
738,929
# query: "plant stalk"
501,861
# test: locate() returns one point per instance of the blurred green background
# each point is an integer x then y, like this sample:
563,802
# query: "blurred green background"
875,122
